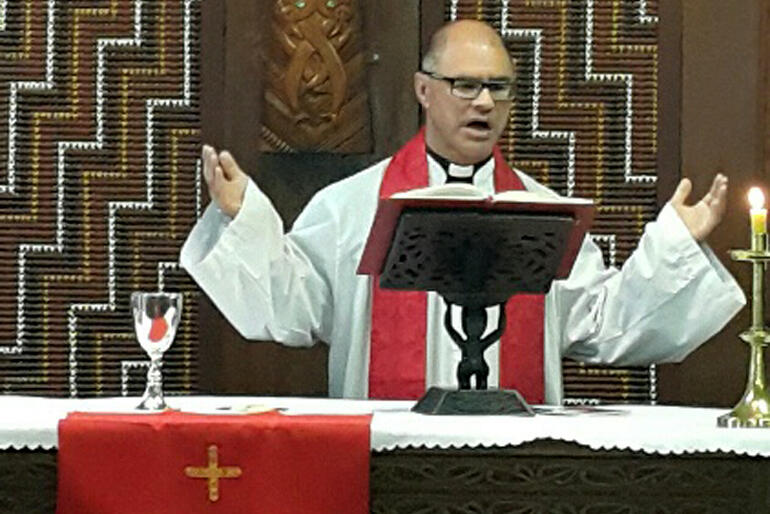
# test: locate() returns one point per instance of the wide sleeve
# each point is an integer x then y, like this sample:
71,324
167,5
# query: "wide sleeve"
670,296
268,284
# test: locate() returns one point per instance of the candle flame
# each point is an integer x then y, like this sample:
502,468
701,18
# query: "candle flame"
756,198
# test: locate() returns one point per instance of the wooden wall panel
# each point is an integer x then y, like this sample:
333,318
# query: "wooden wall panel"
229,363
724,127
764,88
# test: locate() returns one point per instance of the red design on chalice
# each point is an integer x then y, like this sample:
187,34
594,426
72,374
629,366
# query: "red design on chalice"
158,329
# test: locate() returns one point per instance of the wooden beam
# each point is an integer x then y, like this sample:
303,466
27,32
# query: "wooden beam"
669,160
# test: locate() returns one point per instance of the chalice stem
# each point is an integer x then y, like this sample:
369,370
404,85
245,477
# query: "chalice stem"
155,378
153,394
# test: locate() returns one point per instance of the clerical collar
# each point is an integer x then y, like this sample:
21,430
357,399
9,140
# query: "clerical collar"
457,172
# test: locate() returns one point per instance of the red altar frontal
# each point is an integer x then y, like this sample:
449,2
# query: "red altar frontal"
175,462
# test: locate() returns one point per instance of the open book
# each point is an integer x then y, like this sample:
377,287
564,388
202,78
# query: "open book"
461,196
460,191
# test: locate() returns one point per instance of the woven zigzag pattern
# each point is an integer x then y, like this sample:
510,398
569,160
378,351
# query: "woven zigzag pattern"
99,189
584,122
101,179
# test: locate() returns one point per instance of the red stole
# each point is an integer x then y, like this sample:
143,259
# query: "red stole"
397,353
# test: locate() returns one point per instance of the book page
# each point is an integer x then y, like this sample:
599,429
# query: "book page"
521,196
451,191
464,191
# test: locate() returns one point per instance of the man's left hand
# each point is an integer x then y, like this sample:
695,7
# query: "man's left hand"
701,218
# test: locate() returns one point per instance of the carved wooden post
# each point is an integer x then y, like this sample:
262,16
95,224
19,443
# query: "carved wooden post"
315,82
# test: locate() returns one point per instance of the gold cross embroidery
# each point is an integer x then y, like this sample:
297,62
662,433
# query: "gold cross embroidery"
213,472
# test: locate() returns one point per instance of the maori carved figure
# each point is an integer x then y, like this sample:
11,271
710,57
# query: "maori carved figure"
315,92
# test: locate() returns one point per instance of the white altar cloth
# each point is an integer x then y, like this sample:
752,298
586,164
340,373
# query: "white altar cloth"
31,422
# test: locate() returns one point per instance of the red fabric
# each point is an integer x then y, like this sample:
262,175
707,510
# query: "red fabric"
397,351
521,349
129,464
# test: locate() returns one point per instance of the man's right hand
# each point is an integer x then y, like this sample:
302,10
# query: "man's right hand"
225,180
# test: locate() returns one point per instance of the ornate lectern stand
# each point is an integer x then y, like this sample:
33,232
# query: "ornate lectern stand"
475,259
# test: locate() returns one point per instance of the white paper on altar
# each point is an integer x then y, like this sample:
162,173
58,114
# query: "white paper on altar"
31,422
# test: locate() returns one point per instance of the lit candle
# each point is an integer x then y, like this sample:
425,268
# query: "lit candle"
758,212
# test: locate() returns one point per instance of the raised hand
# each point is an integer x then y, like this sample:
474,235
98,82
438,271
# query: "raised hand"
225,180
701,218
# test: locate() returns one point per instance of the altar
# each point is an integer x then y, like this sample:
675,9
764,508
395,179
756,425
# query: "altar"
620,459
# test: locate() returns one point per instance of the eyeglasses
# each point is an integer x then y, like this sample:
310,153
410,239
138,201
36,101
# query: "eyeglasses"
470,89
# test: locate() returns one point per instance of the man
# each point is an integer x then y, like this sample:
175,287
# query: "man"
671,295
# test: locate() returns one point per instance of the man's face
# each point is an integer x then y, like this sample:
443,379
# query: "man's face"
464,130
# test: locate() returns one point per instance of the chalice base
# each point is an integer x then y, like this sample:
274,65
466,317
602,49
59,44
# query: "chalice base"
152,402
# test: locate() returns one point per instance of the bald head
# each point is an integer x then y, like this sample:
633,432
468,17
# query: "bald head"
467,64
454,35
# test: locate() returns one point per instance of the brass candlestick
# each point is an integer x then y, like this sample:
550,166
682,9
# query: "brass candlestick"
754,408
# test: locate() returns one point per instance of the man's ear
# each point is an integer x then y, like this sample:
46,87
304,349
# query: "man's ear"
421,89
